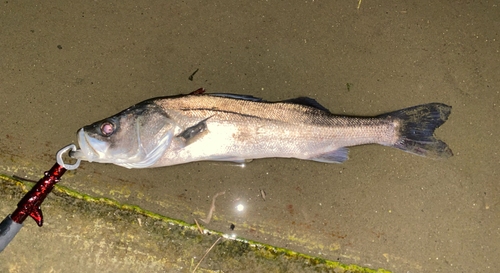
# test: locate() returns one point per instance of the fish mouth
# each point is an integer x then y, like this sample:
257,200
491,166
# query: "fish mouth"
86,151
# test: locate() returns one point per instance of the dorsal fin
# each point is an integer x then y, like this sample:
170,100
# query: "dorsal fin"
301,100
236,96
307,102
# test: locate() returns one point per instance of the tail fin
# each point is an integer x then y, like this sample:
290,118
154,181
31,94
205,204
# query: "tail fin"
416,129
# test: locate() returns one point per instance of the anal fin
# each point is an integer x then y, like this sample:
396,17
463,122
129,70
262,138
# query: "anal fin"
336,156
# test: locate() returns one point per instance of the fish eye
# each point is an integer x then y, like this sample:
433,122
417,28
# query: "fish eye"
107,128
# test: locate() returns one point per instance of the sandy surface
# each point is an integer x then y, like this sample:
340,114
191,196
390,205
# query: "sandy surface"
64,65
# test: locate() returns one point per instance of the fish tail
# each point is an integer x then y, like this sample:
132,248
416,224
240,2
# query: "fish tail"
416,129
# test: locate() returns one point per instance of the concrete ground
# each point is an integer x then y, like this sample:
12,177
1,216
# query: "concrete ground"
88,234
65,64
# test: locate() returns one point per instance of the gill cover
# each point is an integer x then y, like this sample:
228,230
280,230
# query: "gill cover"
134,138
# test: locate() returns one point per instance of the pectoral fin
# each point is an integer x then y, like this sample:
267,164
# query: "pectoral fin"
194,132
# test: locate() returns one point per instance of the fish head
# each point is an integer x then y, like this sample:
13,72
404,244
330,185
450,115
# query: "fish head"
134,138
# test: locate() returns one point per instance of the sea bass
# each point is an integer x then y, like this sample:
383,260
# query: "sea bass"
226,127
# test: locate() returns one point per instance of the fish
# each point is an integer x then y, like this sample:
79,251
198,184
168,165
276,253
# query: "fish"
200,126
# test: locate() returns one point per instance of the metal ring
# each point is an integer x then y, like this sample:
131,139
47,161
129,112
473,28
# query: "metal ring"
60,160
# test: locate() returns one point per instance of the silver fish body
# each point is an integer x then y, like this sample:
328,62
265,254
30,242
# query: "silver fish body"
225,127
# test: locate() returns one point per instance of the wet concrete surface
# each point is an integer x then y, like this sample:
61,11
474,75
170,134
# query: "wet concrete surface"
65,65
86,234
